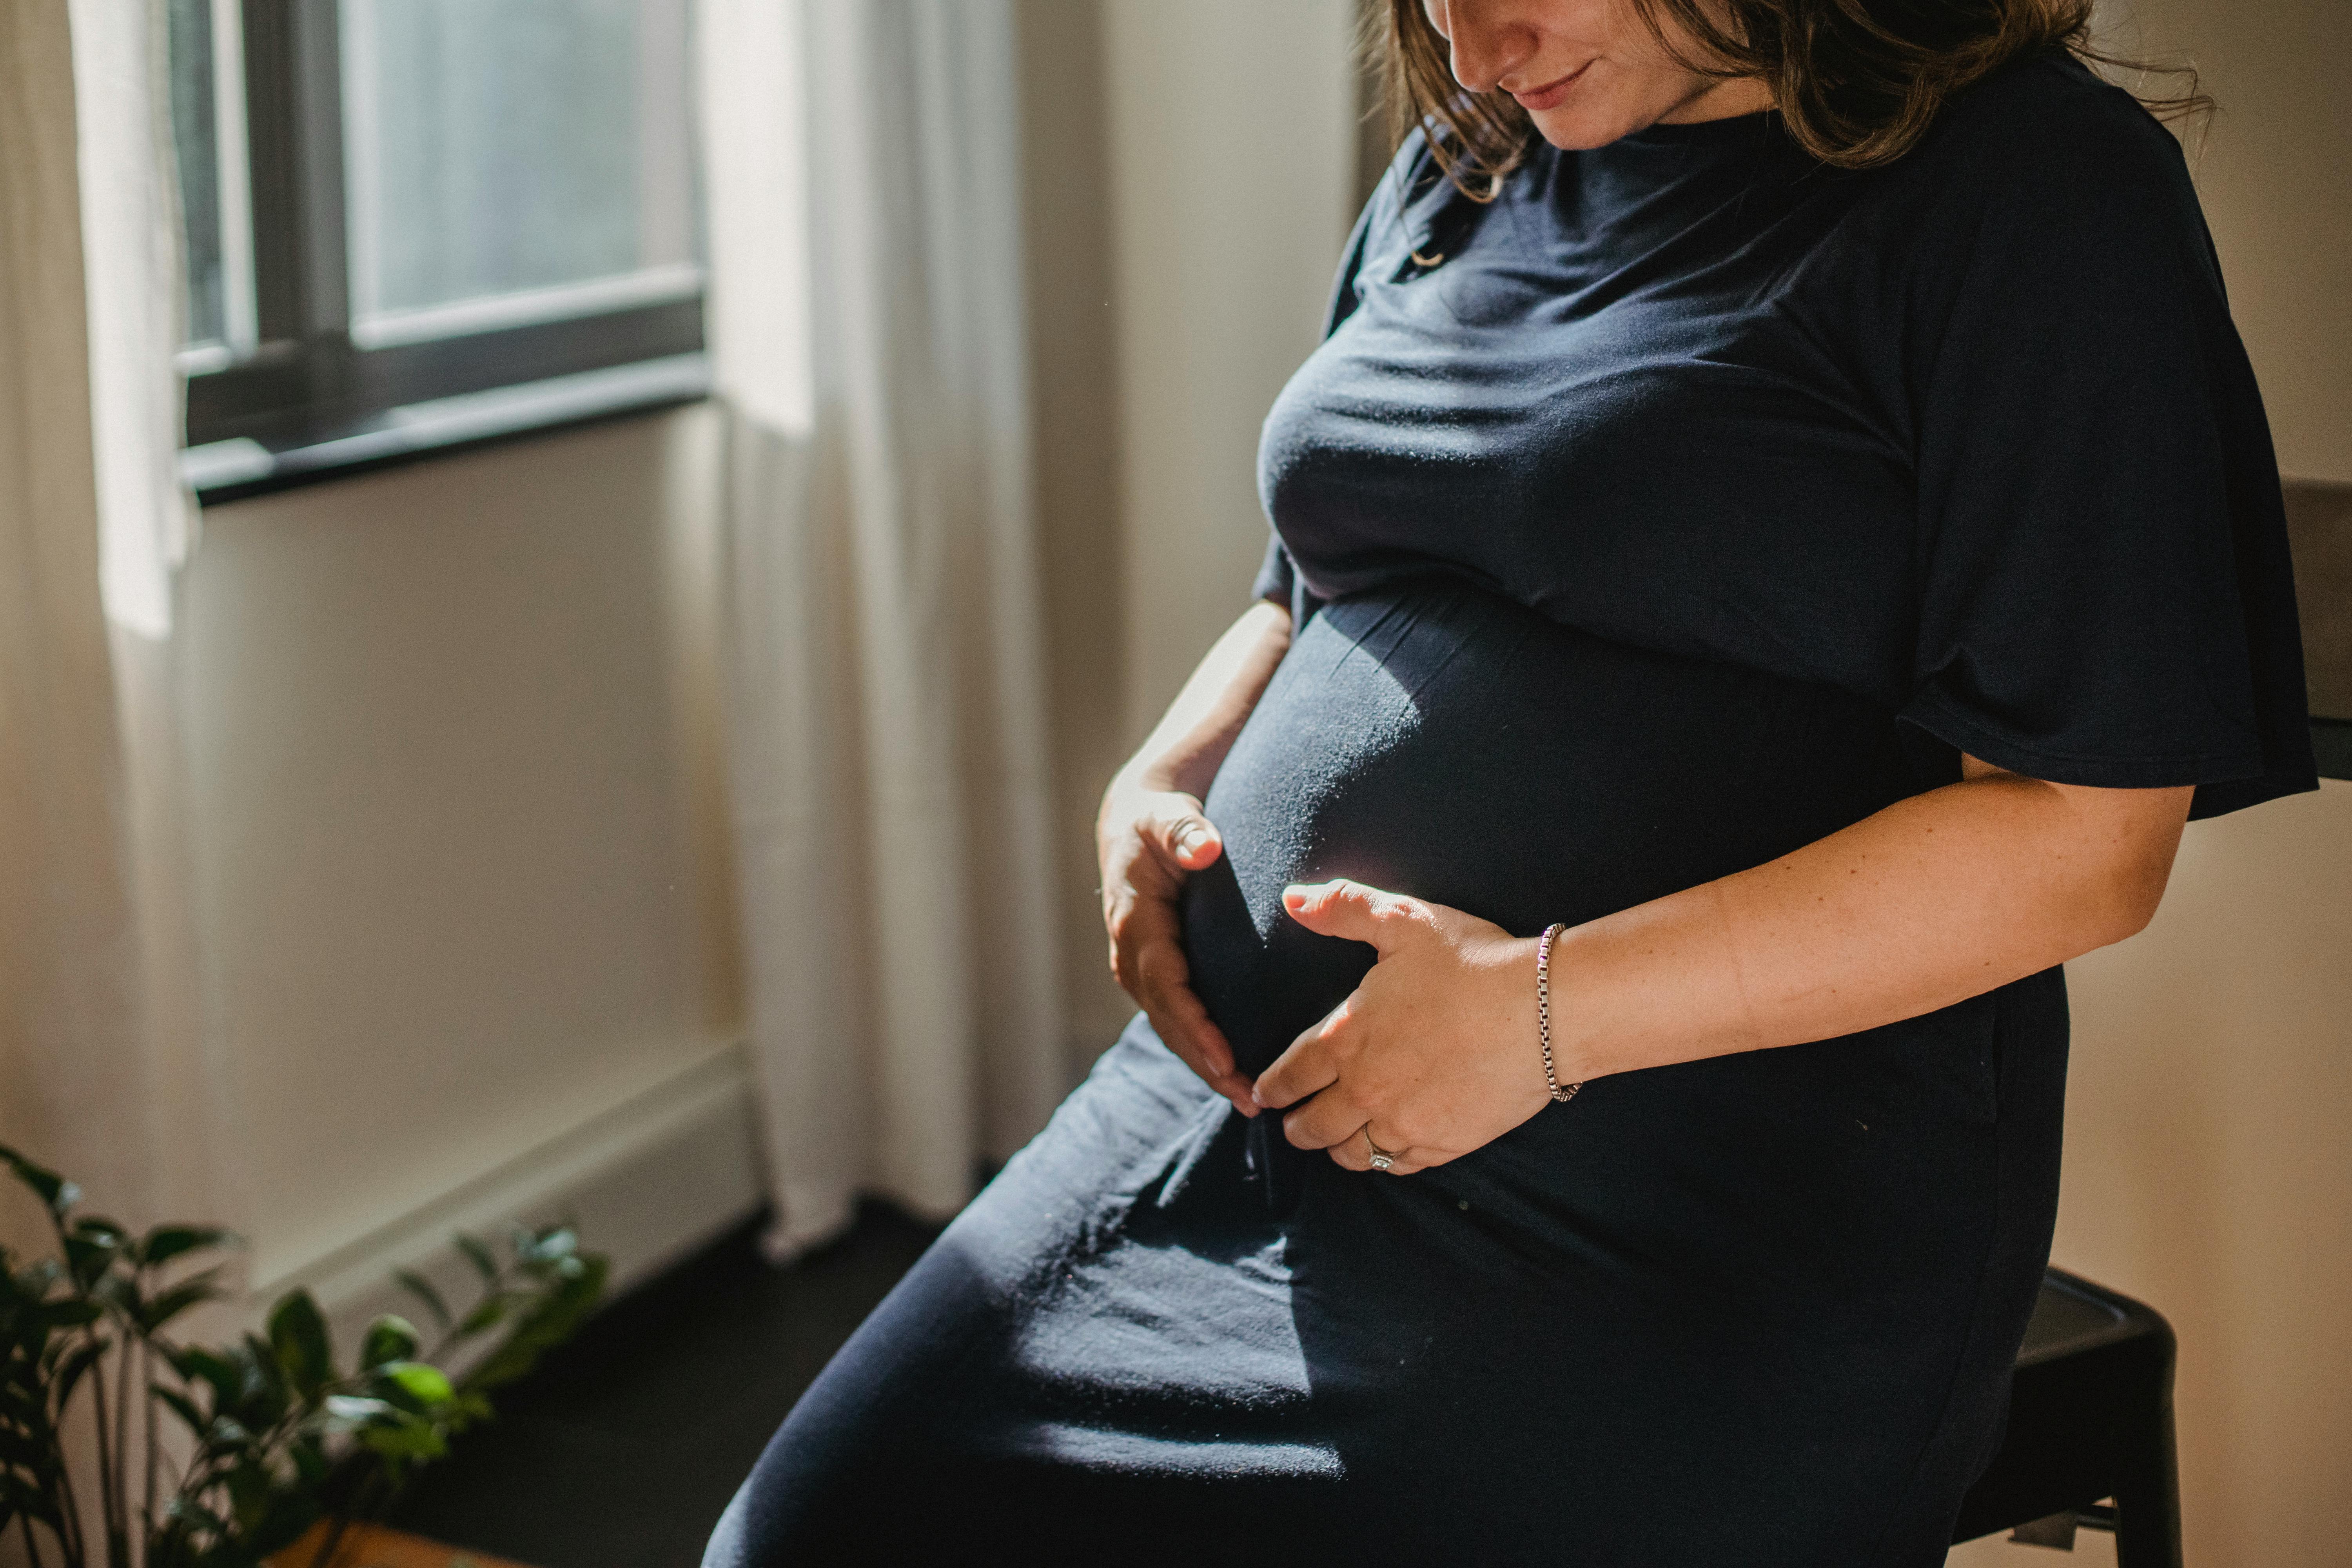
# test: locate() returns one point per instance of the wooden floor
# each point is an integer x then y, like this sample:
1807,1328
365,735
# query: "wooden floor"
374,1546
623,1448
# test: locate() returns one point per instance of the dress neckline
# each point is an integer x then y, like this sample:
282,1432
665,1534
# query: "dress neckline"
1753,126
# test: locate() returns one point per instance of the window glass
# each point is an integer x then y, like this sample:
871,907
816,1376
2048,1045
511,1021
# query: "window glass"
520,161
199,149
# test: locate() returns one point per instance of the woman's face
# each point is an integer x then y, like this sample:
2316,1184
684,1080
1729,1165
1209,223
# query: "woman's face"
1587,71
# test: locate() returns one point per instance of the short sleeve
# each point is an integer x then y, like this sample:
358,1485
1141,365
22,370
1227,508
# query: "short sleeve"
1278,579
2105,595
1277,575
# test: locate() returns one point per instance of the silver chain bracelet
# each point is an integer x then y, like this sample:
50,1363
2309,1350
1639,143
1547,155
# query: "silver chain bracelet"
1543,1011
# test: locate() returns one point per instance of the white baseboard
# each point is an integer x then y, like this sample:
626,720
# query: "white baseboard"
647,1181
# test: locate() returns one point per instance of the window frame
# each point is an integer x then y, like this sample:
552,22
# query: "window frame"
285,409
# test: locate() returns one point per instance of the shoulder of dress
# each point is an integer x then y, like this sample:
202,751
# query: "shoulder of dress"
2043,120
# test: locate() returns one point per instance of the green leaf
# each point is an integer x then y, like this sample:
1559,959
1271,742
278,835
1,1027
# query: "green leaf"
248,1491
298,1332
181,1406
283,1522
30,1450
162,1309
544,1247
410,1440
189,1510
547,1256
352,1411
166,1242
414,1385
421,1287
74,1314
35,1503
118,1290
89,1256
479,1256
548,1323
488,1314
388,1339
57,1194
39,1278
71,1370
217,1372
263,1390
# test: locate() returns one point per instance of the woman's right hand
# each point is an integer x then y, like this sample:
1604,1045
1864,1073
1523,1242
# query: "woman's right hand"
1147,841
1151,835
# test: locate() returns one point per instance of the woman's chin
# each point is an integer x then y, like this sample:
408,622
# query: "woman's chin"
1608,104
1575,127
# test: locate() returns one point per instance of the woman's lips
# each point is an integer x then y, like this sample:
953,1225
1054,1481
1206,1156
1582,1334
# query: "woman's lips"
1536,100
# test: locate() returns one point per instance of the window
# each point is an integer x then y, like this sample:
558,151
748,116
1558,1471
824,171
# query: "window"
411,223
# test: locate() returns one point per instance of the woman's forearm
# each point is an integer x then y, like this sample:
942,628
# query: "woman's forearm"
1186,747
1934,900
1152,834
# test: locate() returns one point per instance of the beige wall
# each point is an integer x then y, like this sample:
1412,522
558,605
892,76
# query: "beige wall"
2274,168
1232,144
460,840
1073,324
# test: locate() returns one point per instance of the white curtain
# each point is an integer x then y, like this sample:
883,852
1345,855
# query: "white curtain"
99,1020
890,742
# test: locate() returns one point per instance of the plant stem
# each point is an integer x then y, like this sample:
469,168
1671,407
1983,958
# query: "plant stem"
105,1451
32,1546
110,1483
199,1475
123,1375
154,1444
69,1502
105,1447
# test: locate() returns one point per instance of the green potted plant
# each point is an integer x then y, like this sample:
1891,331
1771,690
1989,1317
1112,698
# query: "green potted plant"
278,1437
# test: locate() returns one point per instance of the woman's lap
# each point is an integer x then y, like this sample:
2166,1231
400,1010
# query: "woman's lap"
1756,1310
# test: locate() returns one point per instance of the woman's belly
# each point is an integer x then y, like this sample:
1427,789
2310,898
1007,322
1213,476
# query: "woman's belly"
1438,740
1845,1234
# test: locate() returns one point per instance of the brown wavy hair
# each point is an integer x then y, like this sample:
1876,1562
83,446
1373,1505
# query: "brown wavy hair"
1857,83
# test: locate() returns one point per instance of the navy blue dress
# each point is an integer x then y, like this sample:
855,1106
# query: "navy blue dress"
1685,504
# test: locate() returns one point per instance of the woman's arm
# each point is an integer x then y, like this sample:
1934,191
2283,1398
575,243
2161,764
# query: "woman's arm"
1151,835
1936,899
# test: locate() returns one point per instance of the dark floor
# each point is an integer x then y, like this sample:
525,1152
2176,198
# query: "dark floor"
622,1449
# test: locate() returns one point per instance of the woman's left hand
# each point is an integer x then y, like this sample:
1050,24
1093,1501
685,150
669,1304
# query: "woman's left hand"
1434,1054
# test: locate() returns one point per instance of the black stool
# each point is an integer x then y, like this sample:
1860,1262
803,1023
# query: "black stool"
2090,1418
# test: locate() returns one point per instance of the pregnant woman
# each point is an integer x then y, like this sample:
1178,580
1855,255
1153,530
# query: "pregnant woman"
1779,537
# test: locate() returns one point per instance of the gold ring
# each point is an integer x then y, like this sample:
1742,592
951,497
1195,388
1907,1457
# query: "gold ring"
1382,1158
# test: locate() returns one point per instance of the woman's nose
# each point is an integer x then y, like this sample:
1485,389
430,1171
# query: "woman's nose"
1488,42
